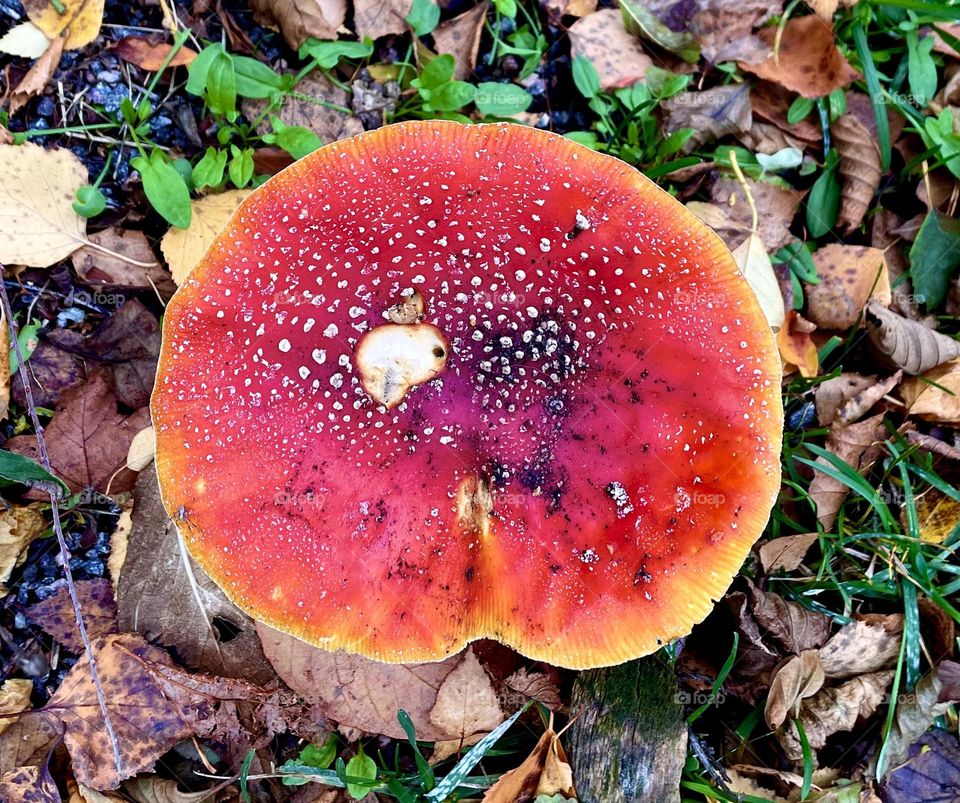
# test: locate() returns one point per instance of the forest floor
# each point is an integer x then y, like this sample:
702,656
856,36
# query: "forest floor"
820,139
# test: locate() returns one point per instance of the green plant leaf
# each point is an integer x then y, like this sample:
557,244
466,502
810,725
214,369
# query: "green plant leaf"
921,68
451,96
222,85
423,17
209,170
164,188
28,338
473,757
327,54
436,73
799,110
585,77
17,468
89,202
296,140
501,100
823,202
640,21
241,166
934,258
257,80
199,69
360,768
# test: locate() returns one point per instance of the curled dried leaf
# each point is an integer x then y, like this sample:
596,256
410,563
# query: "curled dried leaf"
859,167
907,344
800,677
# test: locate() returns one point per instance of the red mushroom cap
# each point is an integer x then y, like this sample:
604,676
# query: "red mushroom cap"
579,477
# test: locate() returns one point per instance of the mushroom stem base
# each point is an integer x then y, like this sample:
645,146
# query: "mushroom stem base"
630,741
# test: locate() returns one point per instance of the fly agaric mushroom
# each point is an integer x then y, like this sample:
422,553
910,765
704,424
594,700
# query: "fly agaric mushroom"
438,383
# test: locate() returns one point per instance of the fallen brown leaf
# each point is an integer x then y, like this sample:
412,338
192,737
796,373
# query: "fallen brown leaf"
358,693
165,596
376,18
29,785
858,445
786,552
147,724
835,709
300,19
14,698
801,676
915,713
808,61
931,772
833,394
907,344
797,348
557,9
150,55
80,19
859,169
308,111
948,673
104,262
619,57
725,29
863,646
712,114
792,626
37,223
776,205
55,614
466,700
926,400
850,276
183,248
460,37
731,229
37,76
857,407
151,789
87,439
534,686
18,527
128,342
544,772
52,372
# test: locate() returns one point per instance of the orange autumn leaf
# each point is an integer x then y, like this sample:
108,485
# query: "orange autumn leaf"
796,346
808,60
149,55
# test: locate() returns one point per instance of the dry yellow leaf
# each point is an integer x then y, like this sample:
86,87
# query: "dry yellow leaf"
754,263
14,698
183,248
80,18
25,40
938,402
18,527
119,542
142,449
938,516
37,223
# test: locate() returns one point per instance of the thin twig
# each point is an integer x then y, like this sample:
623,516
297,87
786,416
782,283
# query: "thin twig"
57,528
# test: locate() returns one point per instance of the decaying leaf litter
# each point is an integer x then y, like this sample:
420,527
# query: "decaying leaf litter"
829,171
